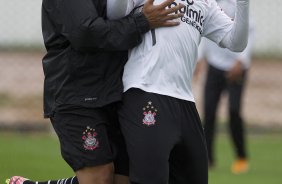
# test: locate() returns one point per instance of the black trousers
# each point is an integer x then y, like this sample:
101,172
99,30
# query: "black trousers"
216,84
164,138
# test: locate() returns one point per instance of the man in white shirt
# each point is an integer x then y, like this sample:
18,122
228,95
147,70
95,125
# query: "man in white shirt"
227,72
158,116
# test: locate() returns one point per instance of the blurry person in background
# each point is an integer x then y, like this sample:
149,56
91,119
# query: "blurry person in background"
226,73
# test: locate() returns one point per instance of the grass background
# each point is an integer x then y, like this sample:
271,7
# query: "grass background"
37,156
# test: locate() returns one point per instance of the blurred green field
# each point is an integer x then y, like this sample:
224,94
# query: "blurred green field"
37,156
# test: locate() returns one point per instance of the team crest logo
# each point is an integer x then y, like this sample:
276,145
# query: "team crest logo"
90,140
149,114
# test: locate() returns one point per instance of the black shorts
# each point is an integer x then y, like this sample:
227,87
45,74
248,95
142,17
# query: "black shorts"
164,138
91,137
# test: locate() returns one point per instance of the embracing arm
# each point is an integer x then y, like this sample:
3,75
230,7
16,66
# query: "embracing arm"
87,31
237,38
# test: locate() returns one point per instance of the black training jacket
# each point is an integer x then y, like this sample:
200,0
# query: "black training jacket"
85,52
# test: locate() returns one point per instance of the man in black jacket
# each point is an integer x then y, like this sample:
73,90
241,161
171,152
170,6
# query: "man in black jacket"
83,66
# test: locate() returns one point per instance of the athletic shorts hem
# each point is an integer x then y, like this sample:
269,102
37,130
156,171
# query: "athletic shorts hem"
97,163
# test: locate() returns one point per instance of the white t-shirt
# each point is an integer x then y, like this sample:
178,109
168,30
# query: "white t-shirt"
223,58
165,60
117,9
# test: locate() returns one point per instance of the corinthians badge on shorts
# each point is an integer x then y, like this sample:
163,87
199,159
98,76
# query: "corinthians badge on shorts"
90,140
149,114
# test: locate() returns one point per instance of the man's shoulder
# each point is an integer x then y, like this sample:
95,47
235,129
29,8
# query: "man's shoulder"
204,3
